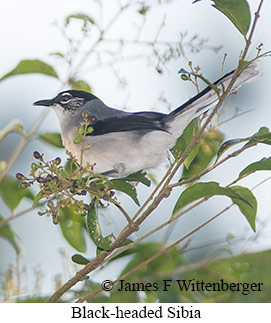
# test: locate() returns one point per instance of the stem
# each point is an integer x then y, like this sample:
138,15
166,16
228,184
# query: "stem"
82,299
209,169
15,216
22,143
151,196
122,210
128,230
100,38
257,16
155,256
164,192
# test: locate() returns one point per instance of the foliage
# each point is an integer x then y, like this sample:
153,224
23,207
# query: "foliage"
148,283
238,13
27,66
7,233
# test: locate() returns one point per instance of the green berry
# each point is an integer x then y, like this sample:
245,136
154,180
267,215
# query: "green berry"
78,139
34,166
55,219
184,77
50,204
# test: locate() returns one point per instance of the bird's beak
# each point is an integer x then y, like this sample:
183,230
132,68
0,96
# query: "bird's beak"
44,103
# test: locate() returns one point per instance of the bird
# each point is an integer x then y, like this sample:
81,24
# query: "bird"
122,143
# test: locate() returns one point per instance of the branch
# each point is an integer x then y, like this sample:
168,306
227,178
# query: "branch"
155,256
211,168
164,192
22,143
257,16
163,251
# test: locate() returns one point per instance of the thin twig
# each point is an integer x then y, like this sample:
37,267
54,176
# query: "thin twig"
14,216
101,36
153,257
22,143
164,192
122,210
128,230
191,266
164,224
248,43
212,167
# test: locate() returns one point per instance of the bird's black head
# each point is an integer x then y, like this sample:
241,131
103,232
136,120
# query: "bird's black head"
69,100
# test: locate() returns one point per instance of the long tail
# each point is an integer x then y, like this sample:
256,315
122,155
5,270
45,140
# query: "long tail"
202,102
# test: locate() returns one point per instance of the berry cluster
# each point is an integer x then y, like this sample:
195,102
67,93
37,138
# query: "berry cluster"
60,186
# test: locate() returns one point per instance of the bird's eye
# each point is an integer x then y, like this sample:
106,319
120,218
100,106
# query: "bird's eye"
65,98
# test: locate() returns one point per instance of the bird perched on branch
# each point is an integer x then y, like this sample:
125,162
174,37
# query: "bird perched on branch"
123,143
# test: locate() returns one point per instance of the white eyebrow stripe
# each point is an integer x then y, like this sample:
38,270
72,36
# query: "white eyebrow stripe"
66,93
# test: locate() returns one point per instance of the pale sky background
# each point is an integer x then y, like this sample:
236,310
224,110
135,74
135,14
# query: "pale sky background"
28,31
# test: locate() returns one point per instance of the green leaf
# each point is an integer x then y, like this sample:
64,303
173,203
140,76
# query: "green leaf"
88,286
72,226
138,177
190,133
80,85
153,178
244,269
243,64
7,233
248,211
79,259
80,16
142,252
201,190
37,198
13,126
127,188
58,54
52,138
227,145
163,264
11,193
107,241
185,140
263,164
31,66
237,11
261,132
262,136
208,146
94,230
124,243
